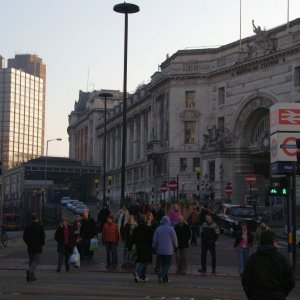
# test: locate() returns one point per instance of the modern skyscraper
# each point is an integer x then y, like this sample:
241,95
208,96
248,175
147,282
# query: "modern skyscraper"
22,109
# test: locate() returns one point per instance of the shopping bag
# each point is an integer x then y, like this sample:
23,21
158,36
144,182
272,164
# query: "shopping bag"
74,258
93,244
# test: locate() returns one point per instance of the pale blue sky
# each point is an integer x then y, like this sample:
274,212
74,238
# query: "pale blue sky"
74,35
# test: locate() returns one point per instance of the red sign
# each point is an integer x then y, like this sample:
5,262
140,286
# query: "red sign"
163,188
251,179
228,189
289,116
172,185
289,146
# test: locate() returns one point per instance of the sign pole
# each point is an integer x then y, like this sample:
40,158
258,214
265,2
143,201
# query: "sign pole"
289,227
293,215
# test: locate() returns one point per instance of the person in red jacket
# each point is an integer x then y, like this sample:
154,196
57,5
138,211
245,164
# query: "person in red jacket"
110,239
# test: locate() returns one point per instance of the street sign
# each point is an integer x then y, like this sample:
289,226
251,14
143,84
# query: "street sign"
283,146
284,117
172,185
163,188
228,189
251,179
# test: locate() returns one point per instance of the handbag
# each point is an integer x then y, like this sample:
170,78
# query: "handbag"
93,244
74,258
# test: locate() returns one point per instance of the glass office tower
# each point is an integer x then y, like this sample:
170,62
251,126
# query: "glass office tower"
22,110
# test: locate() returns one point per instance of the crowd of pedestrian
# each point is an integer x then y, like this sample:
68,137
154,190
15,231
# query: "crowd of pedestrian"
147,231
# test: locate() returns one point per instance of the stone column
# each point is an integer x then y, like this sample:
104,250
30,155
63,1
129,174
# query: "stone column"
134,142
142,136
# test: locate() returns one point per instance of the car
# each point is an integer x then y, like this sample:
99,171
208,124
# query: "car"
229,218
80,209
74,205
64,201
71,202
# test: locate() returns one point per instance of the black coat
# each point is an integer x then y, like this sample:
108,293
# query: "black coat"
142,238
34,237
88,229
59,237
102,217
267,275
239,237
184,235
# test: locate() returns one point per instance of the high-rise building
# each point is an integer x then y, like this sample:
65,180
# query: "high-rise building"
22,109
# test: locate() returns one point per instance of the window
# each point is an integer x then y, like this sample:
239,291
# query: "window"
190,132
196,163
190,99
297,76
221,124
221,95
211,170
183,164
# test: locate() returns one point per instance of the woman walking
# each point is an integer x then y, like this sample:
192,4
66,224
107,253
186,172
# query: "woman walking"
65,238
243,243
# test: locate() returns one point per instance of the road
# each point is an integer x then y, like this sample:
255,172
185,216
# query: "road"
81,285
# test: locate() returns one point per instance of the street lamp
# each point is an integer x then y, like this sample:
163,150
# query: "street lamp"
105,96
46,162
125,8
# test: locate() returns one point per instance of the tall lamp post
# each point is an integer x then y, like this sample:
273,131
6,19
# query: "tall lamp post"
105,96
125,8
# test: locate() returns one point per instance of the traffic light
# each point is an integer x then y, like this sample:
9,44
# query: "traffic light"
279,186
273,191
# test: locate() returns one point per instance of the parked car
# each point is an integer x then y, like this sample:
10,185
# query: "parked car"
71,202
74,205
229,218
81,208
64,201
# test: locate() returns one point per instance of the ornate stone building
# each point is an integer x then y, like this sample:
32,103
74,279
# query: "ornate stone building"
207,107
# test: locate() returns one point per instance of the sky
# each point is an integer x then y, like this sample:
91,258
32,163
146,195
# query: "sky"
81,41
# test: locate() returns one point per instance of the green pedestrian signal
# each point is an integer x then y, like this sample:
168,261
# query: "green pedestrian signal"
284,192
273,192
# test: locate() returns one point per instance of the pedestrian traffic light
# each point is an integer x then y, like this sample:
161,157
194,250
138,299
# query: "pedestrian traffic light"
273,191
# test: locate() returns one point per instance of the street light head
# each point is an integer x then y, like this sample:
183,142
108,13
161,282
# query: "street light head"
105,95
126,8
59,139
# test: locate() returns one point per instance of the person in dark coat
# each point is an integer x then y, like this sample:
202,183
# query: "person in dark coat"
158,212
142,239
34,237
102,216
209,235
129,253
194,220
267,273
65,237
183,233
87,231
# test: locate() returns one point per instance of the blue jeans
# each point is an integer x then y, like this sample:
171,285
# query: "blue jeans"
111,254
140,269
165,264
243,254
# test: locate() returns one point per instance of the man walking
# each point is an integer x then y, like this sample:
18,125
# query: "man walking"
164,242
209,235
34,237
183,233
110,238
267,274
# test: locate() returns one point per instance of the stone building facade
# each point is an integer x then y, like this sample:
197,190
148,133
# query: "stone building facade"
208,108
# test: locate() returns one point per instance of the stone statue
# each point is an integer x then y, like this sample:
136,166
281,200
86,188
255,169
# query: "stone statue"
257,29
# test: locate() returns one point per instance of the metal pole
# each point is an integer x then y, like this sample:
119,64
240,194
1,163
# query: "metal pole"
124,112
240,24
288,14
104,152
293,215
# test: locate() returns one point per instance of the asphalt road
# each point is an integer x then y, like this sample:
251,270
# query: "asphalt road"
80,285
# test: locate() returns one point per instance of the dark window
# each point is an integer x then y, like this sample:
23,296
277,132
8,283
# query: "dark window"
196,163
221,95
211,170
297,76
183,164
